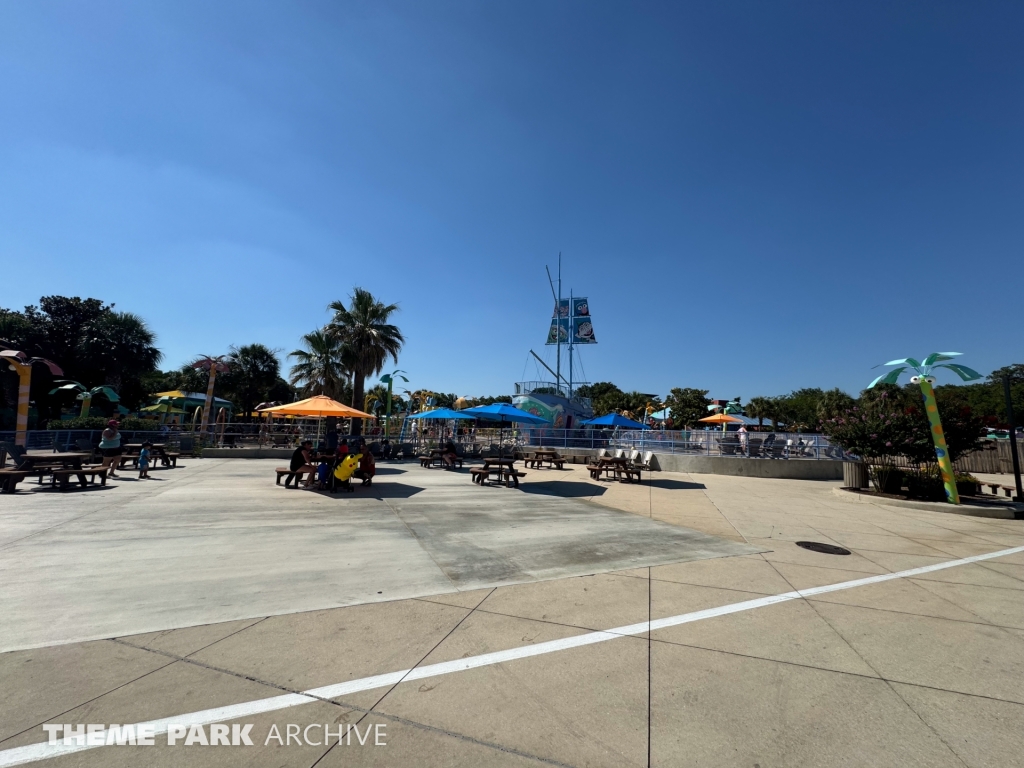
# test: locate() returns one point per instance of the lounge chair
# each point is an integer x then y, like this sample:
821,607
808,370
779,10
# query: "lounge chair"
644,463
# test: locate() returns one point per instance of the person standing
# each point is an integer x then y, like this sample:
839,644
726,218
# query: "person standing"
110,446
144,460
743,438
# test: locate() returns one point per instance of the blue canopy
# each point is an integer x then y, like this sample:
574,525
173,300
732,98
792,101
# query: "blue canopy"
504,412
615,420
440,414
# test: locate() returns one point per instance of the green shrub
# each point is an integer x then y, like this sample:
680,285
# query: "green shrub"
128,424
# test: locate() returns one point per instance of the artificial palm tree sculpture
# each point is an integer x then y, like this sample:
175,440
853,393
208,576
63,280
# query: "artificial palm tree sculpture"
84,394
22,364
365,329
389,379
731,407
923,377
213,365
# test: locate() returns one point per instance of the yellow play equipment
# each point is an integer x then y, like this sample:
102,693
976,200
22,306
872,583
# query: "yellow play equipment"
347,467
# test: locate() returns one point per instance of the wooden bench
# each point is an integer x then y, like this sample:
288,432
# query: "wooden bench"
9,478
1008,490
62,477
289,477
629,472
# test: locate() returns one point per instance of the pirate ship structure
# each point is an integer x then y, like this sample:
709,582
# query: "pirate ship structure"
559,400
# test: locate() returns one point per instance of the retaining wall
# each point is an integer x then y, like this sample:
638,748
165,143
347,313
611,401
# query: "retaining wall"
793,469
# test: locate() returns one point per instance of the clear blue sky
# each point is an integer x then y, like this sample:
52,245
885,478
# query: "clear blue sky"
755,196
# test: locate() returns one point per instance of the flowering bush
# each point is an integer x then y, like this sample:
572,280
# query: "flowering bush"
890,421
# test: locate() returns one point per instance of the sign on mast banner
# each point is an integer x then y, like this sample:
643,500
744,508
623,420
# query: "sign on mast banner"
558,333
582,328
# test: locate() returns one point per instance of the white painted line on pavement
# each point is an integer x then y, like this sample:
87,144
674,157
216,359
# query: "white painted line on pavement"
42,751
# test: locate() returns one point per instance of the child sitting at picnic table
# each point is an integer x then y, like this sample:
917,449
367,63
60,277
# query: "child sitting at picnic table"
450,455
367,465
326,469
144,460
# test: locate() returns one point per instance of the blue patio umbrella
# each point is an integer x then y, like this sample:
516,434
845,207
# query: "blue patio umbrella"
615,420
441,413
503,412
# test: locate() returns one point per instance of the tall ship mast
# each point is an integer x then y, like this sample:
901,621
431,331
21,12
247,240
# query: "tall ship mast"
559,400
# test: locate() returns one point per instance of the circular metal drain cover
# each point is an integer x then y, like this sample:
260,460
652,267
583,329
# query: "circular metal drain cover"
825,549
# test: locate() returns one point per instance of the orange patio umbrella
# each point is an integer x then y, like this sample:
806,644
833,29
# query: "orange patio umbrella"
318,405
721,418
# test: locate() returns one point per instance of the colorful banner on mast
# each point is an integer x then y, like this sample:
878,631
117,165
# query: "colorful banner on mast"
582,328
570,322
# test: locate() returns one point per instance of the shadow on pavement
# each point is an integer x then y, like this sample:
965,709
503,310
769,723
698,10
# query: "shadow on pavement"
389,470
389,490
567,490
675,485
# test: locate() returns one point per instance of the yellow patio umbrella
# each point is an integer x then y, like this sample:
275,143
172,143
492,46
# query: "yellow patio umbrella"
721,418
318,405
161,408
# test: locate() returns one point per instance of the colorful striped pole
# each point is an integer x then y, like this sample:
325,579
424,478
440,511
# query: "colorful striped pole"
941,451
24,384
209,402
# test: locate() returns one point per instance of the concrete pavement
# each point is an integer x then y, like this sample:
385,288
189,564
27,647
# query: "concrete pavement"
918,670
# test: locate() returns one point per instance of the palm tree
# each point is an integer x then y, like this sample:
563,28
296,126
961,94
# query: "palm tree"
759,408
365,329
22,364
923,377
254,370
323,367
124,347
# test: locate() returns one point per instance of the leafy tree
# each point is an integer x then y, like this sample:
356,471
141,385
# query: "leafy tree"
634,405
987,399
323,367
688,405
92,344
604,396
364,328
253,370
799,409
445,400
475,401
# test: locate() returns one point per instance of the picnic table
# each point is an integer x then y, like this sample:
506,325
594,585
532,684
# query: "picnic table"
503,469
613,465
33,460
157,451
544,456
60,465
436,455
